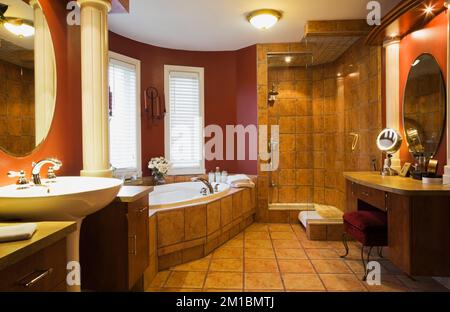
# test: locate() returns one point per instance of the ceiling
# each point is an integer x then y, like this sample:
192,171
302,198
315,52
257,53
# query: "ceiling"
221,25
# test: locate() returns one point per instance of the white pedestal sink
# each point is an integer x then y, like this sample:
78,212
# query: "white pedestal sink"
64,199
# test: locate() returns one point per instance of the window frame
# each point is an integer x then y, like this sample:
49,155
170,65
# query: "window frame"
128,172
201,73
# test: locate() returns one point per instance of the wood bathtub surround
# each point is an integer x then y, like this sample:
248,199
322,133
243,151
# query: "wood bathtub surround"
190,233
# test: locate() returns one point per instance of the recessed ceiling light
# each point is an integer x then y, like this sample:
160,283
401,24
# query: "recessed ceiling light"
429,9
288,59
264,19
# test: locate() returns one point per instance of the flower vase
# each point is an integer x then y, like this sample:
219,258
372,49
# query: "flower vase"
159,179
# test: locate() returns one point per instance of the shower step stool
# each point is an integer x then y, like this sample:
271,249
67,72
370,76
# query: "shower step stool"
321,229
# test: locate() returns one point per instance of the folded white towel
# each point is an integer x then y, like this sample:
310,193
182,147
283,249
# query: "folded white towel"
19,232
237,177
243,184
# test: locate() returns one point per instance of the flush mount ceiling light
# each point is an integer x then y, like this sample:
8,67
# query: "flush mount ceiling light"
17,26
264,19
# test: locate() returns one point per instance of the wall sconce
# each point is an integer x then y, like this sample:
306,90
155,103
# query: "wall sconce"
273,93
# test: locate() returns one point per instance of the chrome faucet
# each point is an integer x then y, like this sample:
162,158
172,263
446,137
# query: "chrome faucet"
36,173
206,182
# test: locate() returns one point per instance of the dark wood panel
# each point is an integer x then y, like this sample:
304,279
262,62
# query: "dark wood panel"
104,249
406,17
399,231
431,239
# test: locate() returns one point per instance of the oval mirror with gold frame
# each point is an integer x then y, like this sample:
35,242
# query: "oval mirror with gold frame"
27,77
424,107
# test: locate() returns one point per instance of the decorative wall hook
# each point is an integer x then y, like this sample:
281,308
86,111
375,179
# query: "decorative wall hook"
154,106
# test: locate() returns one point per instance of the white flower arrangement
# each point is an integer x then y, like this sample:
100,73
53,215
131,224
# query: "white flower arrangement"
159,167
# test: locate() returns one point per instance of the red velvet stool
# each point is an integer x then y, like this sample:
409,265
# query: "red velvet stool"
369,228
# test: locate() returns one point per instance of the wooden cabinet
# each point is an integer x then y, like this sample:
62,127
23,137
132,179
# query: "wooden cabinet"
114,247
418,223
138,244
43,271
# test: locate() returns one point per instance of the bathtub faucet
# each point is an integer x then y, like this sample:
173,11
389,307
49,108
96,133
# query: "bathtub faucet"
206,182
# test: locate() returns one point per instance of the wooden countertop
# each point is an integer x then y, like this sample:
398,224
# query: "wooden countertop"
397,185
130,194
47,233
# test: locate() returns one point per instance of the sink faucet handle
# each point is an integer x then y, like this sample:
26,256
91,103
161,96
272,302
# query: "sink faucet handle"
21,175
51,173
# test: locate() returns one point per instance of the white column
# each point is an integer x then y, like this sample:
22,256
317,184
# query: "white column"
44,72
447,167
94,63
392,48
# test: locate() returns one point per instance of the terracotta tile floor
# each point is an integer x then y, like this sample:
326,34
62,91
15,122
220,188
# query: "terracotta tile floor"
278,258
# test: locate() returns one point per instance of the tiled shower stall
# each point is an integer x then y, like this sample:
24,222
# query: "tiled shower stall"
329,116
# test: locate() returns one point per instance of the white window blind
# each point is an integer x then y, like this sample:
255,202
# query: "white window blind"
124,124
184,119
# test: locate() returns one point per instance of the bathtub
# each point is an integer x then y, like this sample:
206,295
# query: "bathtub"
183,194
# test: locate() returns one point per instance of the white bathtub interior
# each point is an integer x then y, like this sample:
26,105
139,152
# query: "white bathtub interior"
183,193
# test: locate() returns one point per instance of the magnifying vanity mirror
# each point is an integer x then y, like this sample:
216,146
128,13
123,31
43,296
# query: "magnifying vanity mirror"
27,77
424,107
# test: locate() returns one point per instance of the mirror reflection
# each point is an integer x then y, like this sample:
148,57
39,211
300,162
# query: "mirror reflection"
424,107
27,77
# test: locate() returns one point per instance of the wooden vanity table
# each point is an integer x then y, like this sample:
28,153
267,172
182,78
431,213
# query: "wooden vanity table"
418,219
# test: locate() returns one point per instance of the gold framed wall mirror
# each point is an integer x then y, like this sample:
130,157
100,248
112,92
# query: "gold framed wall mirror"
424,107
27,77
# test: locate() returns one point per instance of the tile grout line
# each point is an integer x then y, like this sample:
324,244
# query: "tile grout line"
314,268
278,264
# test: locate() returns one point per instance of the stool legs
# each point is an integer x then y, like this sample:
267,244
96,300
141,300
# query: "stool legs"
380,252
344,241
366,271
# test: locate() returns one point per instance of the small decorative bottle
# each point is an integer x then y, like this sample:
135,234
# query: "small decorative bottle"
224,177
211,177
218,175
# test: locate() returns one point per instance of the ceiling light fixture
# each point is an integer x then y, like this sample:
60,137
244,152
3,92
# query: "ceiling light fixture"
265,18
17,26
288,59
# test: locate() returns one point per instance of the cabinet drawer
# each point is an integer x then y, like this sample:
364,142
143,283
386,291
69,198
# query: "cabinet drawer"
372,196
43,271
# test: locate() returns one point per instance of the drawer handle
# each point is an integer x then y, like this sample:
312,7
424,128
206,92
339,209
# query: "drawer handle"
134,251
42,274
365,194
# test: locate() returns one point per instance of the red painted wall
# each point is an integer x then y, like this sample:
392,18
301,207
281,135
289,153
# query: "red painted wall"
431,39
227,88
64,138
246,99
